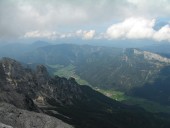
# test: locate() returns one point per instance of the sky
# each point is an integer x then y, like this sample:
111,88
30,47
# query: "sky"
85,19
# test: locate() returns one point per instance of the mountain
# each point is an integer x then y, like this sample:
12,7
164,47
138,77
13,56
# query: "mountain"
31,98
161,48
14,50
102,66
107,67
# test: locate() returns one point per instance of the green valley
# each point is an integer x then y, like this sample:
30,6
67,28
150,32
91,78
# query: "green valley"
133,71
148,105
68,71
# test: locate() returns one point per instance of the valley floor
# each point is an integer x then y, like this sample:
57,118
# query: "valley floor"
148,105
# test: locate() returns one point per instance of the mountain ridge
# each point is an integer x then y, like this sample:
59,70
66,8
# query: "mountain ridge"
92,61
64,99
103,67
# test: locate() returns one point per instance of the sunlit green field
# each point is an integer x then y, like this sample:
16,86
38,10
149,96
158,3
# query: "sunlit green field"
68,71
146,104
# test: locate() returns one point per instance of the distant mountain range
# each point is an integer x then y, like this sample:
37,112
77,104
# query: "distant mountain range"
163,49
136,72
14,50
34,99
107,68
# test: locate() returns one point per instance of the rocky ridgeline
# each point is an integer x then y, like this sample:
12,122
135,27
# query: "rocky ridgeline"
33,99
38,83
29,90
150,56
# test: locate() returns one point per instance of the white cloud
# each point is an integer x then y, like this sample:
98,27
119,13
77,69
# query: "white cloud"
41,34
89,34
18,17
52,35
163,34
132,28
86,34
138,28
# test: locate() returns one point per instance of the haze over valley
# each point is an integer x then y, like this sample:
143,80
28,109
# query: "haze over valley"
84,64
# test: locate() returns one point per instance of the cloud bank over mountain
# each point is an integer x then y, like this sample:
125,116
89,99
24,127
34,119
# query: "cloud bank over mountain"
63,18
138,28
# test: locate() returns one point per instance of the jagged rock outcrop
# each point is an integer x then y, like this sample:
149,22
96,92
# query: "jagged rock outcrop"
23,84
16,85
12,117
65,90
148,55
42,75
30,90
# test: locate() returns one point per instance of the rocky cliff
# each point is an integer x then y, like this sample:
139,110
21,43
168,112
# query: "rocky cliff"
28,90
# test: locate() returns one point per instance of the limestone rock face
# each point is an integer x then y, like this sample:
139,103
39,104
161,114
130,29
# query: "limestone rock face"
26,85
42,75
16,84
12,68
150,56
30,90
65,90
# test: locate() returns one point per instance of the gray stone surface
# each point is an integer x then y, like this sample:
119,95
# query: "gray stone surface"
12,117
4,126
